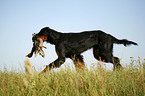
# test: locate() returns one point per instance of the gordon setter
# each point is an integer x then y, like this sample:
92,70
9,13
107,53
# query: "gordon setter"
71,45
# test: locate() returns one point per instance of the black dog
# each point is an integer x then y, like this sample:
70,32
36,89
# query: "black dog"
71,45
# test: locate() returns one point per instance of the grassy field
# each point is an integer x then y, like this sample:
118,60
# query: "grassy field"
97,81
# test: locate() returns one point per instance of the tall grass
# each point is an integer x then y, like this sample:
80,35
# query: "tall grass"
94,82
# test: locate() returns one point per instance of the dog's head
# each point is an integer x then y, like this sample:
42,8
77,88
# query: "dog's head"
45,34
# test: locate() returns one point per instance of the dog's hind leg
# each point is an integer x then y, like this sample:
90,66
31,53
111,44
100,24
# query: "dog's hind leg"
106,56
78,61
116,63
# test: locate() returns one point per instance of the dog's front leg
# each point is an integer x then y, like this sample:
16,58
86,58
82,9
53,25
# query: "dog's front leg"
57,63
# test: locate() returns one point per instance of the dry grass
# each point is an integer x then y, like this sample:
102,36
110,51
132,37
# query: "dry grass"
94,82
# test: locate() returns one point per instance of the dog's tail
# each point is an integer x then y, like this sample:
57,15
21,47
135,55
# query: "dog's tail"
125,42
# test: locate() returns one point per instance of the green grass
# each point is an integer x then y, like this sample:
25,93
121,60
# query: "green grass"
94,82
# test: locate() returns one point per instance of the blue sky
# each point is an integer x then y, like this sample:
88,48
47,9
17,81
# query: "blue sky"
124,19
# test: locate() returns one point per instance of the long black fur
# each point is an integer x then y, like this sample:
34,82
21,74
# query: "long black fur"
71,45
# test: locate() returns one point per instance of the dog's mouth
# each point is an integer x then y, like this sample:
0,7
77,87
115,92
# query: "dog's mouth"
38,44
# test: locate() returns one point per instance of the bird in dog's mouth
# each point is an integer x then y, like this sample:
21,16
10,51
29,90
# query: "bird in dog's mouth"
37,48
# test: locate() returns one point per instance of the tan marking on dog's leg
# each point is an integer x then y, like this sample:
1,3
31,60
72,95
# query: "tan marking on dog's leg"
57,53
79,65
45,70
